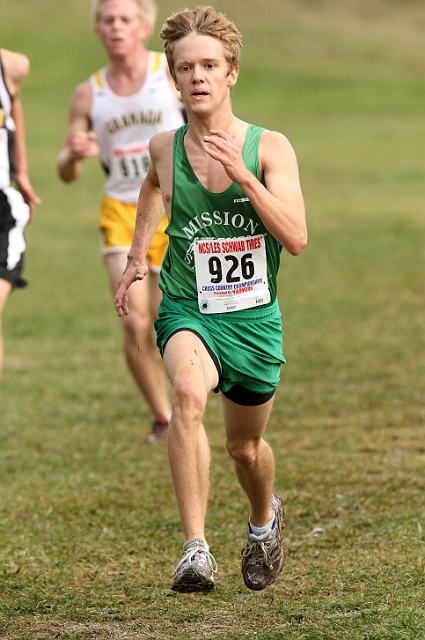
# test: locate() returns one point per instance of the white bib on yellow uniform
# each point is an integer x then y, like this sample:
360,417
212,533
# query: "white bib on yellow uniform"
124,125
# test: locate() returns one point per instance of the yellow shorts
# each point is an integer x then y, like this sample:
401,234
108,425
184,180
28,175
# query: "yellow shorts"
117,221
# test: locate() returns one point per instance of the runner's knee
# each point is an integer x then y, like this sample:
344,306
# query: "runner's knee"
242,451
189,399
137,326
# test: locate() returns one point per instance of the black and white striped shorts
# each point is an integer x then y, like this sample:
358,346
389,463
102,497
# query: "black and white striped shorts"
14,215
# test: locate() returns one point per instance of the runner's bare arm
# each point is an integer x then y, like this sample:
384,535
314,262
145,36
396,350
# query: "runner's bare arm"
80,142
16,67
20,156
150,210
279,201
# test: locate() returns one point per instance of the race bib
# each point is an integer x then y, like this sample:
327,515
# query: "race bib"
129,165
4,159
231,273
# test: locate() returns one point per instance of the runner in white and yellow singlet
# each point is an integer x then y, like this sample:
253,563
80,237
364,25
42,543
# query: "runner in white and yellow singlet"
114,114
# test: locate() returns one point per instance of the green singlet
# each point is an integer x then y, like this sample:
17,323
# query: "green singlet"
199,213
246,344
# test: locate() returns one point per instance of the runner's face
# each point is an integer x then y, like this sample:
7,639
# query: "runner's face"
119,27
202,73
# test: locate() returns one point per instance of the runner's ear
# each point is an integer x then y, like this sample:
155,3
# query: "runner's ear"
232,78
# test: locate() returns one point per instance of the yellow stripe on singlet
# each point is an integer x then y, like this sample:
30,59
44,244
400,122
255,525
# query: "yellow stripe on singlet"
156,65
98,78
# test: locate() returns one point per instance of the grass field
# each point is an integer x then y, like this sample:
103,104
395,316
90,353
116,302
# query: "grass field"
89,531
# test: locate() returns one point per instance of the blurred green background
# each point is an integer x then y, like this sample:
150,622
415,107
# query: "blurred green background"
81,496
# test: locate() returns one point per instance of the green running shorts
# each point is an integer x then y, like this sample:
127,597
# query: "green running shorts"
245,345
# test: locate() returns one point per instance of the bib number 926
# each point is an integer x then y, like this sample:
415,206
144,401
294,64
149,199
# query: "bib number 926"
231,269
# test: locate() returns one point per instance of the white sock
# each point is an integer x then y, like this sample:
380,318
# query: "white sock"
260,532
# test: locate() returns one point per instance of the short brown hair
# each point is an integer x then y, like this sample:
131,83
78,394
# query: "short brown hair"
205,21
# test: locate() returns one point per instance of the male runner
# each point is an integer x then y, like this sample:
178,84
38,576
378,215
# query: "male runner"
16,207
233,198
114,113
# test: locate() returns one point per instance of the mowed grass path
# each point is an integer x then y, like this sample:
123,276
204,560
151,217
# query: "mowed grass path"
89,531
